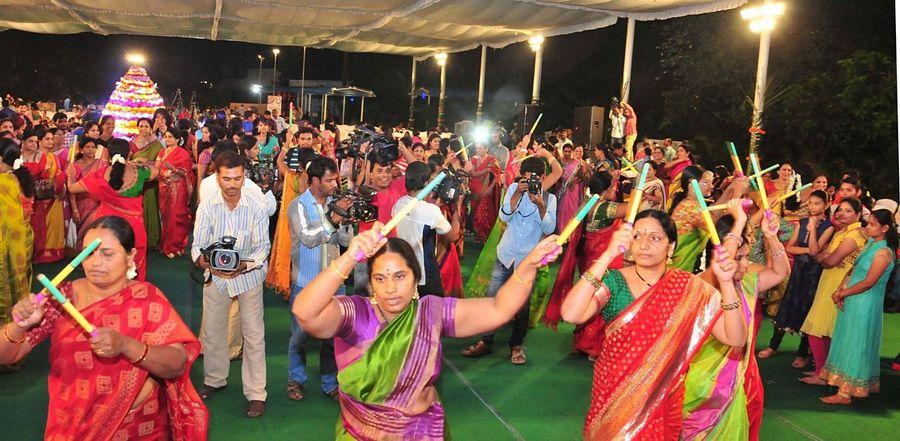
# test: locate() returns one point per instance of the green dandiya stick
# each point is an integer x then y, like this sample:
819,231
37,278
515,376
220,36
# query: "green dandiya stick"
573,223
735,160
70,267
67,305
704,211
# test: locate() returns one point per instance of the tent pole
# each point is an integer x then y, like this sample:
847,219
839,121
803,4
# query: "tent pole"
412,96
626,65
479,110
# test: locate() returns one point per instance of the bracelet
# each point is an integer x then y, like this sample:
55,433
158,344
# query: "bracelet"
735,236
9,339
733,305
519,279
143,354
777,253
602,291
338,271
588,277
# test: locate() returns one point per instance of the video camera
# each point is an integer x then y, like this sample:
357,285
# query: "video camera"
361,208
222,256
453,186
297,158
381,148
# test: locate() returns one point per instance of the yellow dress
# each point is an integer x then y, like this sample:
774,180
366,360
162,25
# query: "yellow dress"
16,241
820,320
279,276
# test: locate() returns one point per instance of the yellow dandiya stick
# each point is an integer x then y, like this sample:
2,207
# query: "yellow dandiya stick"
638,195
534,126
785,196
523,158
735,160
754,162
704,211
70,267
67,305
628,165
764,171
745,203
573,224
405,210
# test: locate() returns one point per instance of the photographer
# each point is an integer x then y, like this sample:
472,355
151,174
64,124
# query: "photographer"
209,185
421,226
529,211
226,213
314,244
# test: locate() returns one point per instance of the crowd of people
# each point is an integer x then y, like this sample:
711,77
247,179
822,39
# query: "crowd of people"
257,203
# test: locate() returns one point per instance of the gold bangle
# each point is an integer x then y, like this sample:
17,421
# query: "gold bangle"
9,339
143,354
733,305
519,279
338,271
587,276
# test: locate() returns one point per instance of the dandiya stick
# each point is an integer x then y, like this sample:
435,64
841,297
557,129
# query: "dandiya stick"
360,256
764,171
785,196
745,203
735,160
628,165
704,211
754,162
69,268
573,223
636,197
523,158
67,305
534,126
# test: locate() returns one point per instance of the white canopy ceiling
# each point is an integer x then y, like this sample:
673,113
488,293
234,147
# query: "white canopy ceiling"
418,28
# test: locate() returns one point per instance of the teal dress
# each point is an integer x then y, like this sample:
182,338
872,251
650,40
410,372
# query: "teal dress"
854,361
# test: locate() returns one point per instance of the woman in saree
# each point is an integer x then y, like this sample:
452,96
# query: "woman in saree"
145,149
692,235
674,169
47,213
16,237
175,188
118,188
586,245
723,388
107,128
571,188
652,313
854,362
295,184
837,259
388,346
131,380
485,186
83,204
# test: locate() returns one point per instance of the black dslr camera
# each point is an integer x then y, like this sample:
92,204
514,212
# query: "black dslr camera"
222,256
453,186
360,209
381,148
535,184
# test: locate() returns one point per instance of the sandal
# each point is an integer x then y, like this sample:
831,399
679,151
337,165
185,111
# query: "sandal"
517,356
477,350
294,390
207,391
837,399
800,363
766,353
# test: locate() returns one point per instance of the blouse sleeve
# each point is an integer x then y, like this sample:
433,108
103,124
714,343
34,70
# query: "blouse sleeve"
448,317
349,312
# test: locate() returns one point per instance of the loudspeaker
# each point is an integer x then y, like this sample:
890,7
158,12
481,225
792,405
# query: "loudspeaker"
588,125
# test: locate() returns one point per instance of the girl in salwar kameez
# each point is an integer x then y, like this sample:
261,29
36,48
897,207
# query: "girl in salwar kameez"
854,362
131,379
175,188
655,313
145,149
16,237
388,346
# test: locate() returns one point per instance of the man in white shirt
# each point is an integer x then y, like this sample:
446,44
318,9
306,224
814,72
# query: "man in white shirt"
617,125
209,185
421,227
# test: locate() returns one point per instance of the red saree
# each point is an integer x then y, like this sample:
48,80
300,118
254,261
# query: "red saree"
93,398
175,187
486,205
638,385
47,220
447,254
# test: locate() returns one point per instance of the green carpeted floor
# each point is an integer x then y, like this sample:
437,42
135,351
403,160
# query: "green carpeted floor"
485,399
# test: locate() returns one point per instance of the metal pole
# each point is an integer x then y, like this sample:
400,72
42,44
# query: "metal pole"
626,65
303,79
412,96
536,85
343,108
479,110
440,115
759,97
324,107
362,110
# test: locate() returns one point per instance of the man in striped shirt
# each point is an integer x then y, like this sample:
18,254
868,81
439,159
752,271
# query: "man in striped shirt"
229,212
315,238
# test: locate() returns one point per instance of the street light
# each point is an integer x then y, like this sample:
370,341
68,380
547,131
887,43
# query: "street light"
259,79
441,60
762,20
135,58
536,44
275,51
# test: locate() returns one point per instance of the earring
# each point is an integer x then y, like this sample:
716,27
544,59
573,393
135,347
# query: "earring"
373,300
132,271
416,294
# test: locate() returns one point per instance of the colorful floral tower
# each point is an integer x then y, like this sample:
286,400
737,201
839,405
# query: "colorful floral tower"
135,97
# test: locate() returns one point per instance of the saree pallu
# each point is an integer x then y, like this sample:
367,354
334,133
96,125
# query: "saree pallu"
86,203
279,276
92,397
387,371
570,194
723,384
854,360
175,188
447,256
480,276
638,385
47,220
16,239
151,194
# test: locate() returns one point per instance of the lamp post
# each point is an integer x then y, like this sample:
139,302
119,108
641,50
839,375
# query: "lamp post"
537,46
275,51
303,83
257,89
762,19
259,81
441,60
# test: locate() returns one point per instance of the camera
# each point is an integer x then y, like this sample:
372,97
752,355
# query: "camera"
297,158
361,208
222,256
452,187
535,184
381,148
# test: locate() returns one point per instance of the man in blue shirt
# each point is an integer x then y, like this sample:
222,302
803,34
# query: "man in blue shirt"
529,218
315,239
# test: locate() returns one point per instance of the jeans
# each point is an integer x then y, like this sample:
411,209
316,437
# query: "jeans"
499,275
297,354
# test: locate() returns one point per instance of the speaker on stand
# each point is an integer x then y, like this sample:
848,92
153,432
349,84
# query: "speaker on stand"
587,128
